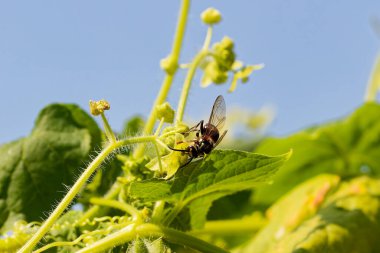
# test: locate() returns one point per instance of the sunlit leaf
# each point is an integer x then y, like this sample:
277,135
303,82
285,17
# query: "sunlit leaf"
323,215
347,147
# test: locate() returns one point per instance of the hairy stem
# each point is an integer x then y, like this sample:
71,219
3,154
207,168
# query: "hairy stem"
76,188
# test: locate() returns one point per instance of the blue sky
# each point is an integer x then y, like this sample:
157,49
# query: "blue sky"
318,56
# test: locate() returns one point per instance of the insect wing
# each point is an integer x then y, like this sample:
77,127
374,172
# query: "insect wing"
218,113
220,138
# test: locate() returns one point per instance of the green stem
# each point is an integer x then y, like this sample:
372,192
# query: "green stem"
118,205
150,230
124,235
158,211
374,82
163,145
158,130
76,188
158,157
168,80
180,30
107,128
207,41
187,84
191,72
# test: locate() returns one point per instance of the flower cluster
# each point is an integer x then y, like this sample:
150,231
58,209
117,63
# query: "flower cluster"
98,107
217,67
221,59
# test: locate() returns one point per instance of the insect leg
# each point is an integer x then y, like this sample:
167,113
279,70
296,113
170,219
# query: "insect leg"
202,130
188,161
181,150
192,129
196,126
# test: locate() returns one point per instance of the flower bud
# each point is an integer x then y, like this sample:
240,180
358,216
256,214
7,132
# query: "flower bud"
227,43
169,65
211,16
170,139
220,77
224,53
98,107
159,245
137,246
165,111
216,75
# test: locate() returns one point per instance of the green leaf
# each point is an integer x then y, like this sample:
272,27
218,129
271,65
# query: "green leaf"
227,170
33,170
150,190
222,173
196,186
200,207
348,147
323,215
232,206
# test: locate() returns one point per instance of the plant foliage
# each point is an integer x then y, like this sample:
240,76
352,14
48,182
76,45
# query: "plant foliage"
348,147
138,191
34,169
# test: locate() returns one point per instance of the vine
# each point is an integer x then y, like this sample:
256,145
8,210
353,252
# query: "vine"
216,62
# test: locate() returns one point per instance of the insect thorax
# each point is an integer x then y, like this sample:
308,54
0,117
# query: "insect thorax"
210,132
